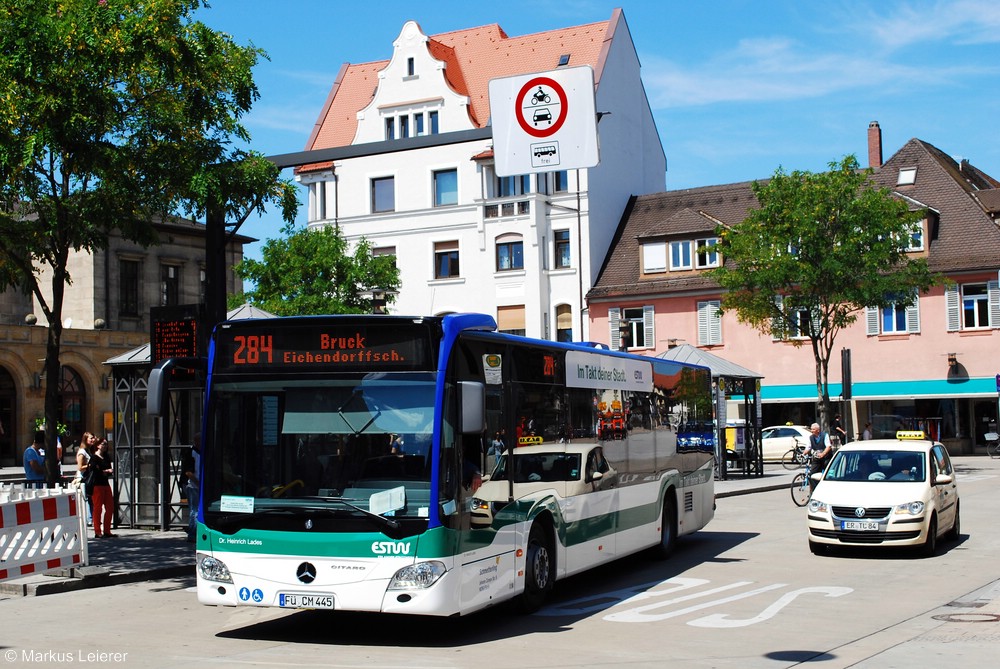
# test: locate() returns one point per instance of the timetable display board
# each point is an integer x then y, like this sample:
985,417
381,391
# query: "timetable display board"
175,332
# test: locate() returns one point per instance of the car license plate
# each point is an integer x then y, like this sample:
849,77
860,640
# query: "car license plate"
863,525
303,601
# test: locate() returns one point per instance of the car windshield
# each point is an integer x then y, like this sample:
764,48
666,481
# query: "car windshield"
539,467
877,466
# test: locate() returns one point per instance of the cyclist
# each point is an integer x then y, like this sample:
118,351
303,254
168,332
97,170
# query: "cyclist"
820,447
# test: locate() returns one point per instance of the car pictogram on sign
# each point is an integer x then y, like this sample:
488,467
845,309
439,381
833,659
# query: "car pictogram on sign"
542,114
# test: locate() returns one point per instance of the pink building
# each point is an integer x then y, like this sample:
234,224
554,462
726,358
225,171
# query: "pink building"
932,366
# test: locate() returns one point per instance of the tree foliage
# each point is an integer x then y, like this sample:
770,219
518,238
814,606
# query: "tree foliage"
312,272
819,249
114,113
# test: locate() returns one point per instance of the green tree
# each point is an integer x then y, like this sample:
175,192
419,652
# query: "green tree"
818,250
311,272
114,113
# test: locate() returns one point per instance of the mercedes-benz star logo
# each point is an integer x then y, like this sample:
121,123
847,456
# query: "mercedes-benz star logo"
306,573
859,512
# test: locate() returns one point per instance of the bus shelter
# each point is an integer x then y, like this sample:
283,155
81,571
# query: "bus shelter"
736,391
149,453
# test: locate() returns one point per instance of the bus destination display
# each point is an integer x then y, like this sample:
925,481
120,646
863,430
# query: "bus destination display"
316,348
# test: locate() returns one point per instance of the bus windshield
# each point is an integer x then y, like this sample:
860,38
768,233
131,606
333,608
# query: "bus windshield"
348,446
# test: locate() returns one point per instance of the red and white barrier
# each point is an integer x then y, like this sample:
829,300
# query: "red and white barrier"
40,530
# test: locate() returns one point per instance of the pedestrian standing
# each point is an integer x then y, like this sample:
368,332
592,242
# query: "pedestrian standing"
83,454
867,434
104,498
821,449
34,462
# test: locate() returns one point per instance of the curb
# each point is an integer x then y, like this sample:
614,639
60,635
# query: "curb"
93,580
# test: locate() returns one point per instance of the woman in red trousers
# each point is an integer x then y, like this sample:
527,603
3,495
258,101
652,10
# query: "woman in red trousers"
103,497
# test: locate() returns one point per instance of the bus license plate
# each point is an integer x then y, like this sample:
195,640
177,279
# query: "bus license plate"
301,601
863,525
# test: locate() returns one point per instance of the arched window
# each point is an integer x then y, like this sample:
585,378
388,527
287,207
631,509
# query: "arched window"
564,323
72,399
510,252
8,411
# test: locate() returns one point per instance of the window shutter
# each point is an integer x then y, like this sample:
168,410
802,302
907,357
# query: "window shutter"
647,326
709,323
953,310
993,288
614,320
913,316
872,321
777,327
815,321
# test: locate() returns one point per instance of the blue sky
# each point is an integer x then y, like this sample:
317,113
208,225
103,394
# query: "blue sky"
738,87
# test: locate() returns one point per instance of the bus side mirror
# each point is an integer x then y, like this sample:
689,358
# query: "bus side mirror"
472,404
158,383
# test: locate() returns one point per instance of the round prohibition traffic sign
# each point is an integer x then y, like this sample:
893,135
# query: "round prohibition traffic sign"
541,106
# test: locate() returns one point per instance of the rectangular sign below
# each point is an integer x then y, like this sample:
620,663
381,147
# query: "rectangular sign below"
544,121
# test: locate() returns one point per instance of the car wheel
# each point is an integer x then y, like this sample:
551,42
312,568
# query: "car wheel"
539,569
668,527
956,529
930,544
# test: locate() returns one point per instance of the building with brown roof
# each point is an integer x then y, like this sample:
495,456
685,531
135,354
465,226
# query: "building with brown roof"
417,176
932,365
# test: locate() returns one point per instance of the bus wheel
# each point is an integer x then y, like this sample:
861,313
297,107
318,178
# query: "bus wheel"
668,527
539,569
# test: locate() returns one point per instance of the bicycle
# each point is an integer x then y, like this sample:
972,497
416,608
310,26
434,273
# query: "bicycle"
802,483
795,456
992,444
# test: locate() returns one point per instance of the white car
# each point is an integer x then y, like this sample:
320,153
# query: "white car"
886,492
779,439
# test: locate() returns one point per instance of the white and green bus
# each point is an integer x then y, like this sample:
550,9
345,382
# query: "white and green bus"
431,465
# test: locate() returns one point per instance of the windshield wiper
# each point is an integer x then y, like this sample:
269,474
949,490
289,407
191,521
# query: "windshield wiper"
388,522
376,415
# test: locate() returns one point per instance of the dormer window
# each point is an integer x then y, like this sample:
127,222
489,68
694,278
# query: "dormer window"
907,176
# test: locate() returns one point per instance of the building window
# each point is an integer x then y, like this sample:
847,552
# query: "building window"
564,323
432,117
631,328
510,320
383,194
558,182
170,285
390,128
709,323
972,306
898,318
907,176
510,253
975,306
382,251
797,322
511,186
445,260
410,67
706,255
563,259
680,255
317,195
445,187
418,125
654,257
915,238
128,288
404,127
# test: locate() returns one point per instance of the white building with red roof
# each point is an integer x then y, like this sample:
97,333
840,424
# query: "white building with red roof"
414,173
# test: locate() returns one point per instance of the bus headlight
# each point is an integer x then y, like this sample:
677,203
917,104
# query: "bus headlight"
417,576
212,569
910,508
